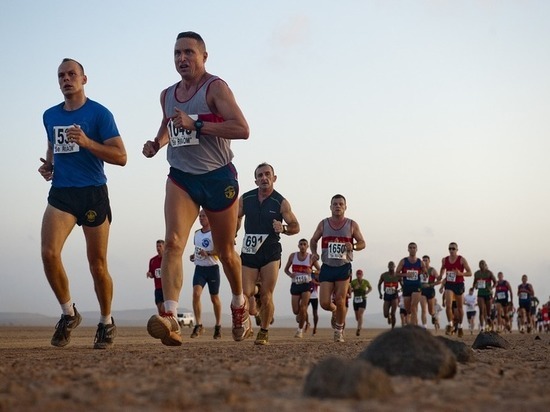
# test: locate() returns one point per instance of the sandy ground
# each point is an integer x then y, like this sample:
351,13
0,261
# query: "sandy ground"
140,374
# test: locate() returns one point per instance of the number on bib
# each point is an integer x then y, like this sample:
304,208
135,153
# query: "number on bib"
251,243
337,250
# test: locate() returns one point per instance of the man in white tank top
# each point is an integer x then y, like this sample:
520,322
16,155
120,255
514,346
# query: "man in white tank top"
299,268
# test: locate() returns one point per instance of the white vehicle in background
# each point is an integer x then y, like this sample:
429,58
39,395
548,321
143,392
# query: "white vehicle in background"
186,319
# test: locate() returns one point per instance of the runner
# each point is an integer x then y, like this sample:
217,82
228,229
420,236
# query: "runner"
470,301
340,237
360,288
314,300
390,282
455,268
154,273
264,210
525,294
429,280
410,268
503,299
200,117
484,282
207,270
299,269
82,136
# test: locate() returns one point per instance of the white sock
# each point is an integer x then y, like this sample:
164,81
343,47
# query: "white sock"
67,308
106,320
237,301
171,306
460,326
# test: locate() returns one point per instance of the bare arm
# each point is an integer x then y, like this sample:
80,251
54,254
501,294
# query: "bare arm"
221,102
292,226
46,169
360,243
151,147
240,215
467,270
111,150
288,265
313,241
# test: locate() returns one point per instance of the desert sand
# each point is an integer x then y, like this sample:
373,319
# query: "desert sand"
140,374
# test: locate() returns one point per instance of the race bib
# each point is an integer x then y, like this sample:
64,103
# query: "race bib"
181,137
61,143
358,299
337,250
523,295
251,243
501,295
390,290
300,279
451,276
412,274
424,277
481,284
157,273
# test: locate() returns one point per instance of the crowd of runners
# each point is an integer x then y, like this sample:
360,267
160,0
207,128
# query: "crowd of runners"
200,118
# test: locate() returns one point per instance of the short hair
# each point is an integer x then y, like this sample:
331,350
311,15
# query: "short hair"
263,164
426,257
338,196
412,244
192,35
160,241
303,240
68,59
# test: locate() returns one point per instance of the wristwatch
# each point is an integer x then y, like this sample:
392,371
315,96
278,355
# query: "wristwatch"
198,126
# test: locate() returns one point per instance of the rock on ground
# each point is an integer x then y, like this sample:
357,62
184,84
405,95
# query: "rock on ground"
411,351
345,378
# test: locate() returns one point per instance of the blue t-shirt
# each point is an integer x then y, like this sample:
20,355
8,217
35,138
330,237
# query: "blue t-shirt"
76,166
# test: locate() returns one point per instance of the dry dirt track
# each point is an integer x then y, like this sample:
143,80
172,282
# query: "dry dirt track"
139,374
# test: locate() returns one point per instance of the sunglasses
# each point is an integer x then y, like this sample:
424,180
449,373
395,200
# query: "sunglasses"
452,248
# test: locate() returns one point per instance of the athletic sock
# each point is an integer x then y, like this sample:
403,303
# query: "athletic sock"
237,301
67,308
339,326
106,320
171,306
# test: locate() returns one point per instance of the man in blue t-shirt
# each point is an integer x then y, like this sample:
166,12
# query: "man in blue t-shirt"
82,135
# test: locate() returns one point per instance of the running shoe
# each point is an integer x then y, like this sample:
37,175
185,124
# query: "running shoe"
166,328
105,335
333,320
241,321
460,332
299,334
217,332
358,332
448,330
262,338
197,330
62,335
338,336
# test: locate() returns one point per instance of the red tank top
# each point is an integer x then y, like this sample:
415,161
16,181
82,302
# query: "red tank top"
451,270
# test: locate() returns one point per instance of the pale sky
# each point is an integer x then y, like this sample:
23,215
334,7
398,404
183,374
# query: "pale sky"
431,117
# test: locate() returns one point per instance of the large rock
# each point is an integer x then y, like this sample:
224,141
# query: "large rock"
343,378
411,351
488,340
462,352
